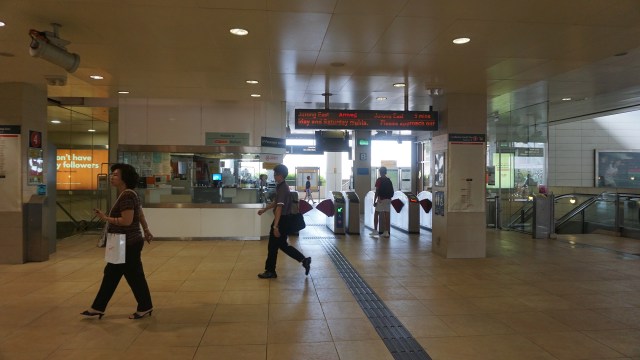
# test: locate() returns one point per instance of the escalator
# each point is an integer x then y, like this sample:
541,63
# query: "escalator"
607,213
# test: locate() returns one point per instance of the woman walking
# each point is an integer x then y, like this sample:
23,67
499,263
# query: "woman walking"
125,217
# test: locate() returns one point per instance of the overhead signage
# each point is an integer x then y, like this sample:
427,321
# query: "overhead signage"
273,142
467,138
366,119
303,150
226,139
530,152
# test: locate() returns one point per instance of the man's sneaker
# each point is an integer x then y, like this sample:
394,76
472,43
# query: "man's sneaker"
385,234
268,275
373,233
306,264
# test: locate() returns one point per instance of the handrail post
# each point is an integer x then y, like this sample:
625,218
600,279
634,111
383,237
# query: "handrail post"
616,222
497,210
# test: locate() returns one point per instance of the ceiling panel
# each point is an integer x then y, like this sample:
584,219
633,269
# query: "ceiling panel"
356,49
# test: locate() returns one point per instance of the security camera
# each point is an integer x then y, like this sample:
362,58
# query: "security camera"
47,45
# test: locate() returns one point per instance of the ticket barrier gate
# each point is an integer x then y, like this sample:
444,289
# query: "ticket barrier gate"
408,218
336,222
369,209
352,212
426,220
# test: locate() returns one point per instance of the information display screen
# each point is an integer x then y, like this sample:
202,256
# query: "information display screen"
366,119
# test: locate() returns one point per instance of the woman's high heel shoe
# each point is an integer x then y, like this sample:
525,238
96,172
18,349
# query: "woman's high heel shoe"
93,313
139,315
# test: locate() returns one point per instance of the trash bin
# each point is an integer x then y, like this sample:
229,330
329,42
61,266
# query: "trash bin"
36,243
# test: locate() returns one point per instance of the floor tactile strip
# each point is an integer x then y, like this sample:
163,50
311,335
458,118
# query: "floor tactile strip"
395,336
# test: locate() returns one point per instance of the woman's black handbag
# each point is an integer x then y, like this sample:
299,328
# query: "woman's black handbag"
294,223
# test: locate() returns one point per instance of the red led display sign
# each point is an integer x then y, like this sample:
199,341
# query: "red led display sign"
366,119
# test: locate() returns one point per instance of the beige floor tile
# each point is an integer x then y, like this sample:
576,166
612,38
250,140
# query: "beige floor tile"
433,292
426,326
501,304
573,345
159,336
292,296
407,307
298,331
363,349
342,310
236,333
352,329
334,294
240,313
467,325
231,352
306,351
585,319
513,303
546,302
531,322
296,311
451,306
490,347
626,342
245,297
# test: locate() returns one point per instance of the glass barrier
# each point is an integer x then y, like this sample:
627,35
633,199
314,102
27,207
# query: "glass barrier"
231,176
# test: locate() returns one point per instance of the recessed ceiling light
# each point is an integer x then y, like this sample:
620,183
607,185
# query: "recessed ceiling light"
123,92
566,99
462,40
399,85
56,121
239,32
91,130
252,81
96,77
256,95
381,98
2,23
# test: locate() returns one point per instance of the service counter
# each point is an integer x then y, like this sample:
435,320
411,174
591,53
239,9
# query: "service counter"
191,221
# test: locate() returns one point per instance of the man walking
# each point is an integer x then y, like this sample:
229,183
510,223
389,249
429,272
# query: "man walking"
382,199
277,235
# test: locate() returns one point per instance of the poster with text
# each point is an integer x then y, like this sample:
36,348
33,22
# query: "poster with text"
10,173
78,169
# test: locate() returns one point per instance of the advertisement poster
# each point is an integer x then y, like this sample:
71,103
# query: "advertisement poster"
618,168
35,167
10,168
439,167
78,169
466,179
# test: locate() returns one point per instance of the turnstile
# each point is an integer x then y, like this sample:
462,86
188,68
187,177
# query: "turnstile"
426,219
408,219
352,212
336,222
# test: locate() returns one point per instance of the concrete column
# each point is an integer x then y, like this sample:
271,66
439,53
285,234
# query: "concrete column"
459,221
23,105
334,173
362,165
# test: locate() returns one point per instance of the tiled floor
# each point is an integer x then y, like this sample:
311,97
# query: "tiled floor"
528,299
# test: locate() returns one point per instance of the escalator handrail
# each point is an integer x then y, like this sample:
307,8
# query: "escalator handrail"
594,198
578,209
522,217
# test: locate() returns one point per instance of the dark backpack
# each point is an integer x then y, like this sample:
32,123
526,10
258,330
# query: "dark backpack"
385,190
